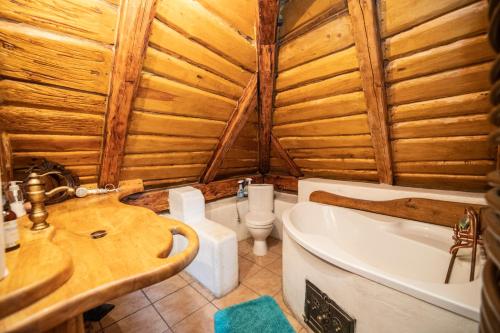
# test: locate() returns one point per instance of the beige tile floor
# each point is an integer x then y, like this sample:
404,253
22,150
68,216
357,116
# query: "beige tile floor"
181,304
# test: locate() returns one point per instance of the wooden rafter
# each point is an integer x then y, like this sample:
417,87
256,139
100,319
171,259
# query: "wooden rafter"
292,167
367,40
238,119
266,44
136,17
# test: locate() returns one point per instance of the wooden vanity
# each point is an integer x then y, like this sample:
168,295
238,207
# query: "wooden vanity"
66,269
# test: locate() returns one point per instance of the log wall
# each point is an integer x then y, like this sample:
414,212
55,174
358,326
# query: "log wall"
436,60
320,114
201,55
56,69
430,94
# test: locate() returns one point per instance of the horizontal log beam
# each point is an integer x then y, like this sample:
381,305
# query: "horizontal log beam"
283,183
438,212
157,200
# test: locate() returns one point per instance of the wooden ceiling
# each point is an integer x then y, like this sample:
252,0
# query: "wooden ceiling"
393,91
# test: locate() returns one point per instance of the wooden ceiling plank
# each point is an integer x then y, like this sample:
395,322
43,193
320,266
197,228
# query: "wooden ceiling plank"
327,38
239,117
290,164
303,13
266,41
134,29
367,40
66,158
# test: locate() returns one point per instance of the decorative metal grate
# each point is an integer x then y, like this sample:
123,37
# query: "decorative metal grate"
323,315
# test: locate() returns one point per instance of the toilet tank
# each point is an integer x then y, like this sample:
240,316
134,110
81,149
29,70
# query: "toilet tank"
261,198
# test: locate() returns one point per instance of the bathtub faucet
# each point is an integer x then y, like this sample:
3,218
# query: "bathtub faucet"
466,234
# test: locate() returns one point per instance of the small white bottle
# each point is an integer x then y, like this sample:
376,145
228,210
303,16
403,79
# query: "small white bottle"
16,200
10,231
3,266
248,181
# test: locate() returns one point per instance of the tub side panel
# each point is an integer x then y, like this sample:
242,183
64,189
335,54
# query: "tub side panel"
375,307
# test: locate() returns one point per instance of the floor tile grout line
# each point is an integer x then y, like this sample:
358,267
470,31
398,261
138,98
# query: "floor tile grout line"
130,314
161,317
249,276
256,263
251,289
281,282
139,309
188,313
196,281
159,299
155,309
211,302
145,295
267,269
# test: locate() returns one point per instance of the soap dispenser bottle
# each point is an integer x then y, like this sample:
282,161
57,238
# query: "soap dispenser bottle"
10,231
241,190
15,197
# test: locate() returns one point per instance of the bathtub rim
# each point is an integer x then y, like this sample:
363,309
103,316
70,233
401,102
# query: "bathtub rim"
449,297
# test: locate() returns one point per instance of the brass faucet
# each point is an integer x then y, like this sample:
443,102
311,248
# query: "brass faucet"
35,188
466,234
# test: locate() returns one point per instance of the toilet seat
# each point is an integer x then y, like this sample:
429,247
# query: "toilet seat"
259,220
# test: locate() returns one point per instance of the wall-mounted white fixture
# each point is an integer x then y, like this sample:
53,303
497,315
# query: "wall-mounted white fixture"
216,265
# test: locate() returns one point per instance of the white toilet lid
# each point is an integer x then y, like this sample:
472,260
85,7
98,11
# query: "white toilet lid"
259,219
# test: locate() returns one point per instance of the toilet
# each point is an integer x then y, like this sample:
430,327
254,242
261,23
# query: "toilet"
260,217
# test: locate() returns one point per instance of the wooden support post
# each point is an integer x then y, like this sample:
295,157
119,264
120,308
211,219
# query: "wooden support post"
134,29
6,164
367,40
237,121
266,44
292,167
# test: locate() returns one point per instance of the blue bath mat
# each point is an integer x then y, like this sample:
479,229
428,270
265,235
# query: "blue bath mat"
261,315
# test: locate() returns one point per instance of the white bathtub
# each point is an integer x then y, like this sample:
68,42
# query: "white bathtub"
231,212
386,272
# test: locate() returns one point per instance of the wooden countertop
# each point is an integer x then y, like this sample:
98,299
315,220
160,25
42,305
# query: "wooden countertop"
67,272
